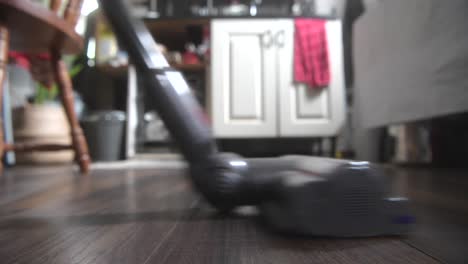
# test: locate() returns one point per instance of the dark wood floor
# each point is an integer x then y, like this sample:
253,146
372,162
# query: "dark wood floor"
52,215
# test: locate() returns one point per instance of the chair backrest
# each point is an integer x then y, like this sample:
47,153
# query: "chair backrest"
40,67
72,10
55,5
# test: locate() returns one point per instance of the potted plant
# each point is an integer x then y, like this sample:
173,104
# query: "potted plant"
42,120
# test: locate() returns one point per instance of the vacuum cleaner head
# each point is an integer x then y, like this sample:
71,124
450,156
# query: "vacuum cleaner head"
326,197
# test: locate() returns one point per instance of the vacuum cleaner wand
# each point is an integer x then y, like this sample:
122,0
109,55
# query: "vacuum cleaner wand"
296,194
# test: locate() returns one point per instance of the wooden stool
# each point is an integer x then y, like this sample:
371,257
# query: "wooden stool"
27,27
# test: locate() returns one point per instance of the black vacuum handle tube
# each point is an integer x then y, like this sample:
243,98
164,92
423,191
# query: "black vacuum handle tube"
219,182
177,107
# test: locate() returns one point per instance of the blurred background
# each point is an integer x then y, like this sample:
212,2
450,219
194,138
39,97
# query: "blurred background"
395,91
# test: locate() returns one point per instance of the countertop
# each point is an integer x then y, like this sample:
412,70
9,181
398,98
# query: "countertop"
148,19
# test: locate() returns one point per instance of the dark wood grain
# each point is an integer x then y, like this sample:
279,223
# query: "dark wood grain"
72,11
37,29
4,46
440,203
55,5
51,215
66,94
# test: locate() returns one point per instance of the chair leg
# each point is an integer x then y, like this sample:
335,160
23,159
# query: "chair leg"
4,41
66,91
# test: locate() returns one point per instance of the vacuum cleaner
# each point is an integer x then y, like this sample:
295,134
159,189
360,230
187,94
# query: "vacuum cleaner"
295,194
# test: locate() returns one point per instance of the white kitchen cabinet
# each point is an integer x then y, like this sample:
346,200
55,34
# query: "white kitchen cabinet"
243,70
252,91
306,112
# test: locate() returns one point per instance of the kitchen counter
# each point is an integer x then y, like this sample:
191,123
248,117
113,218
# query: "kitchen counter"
178,24
147,19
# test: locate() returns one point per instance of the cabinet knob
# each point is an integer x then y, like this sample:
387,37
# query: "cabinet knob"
267,39
279,38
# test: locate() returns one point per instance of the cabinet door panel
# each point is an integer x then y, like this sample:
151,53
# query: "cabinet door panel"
311,104
243,82
246,95
307,112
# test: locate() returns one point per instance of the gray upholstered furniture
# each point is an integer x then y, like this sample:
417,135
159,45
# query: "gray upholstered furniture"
410,62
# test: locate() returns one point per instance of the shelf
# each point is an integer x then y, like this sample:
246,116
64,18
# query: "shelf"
113,71
189,67
121,70
206,19
174,26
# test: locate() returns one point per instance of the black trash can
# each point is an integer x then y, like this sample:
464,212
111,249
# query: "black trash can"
104,132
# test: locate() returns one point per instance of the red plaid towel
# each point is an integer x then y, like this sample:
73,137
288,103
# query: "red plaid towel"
311,64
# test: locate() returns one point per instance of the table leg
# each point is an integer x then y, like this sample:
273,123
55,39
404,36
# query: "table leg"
4,42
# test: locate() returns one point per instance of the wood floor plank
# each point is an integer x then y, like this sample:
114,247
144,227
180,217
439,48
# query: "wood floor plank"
241,240
153,216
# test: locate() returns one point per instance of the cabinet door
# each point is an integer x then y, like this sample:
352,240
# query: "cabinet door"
307,112
243,78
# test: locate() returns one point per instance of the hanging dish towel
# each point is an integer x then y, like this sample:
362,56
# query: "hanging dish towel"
311,65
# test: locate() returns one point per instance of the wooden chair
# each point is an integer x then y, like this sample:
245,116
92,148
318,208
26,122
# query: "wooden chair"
27,27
